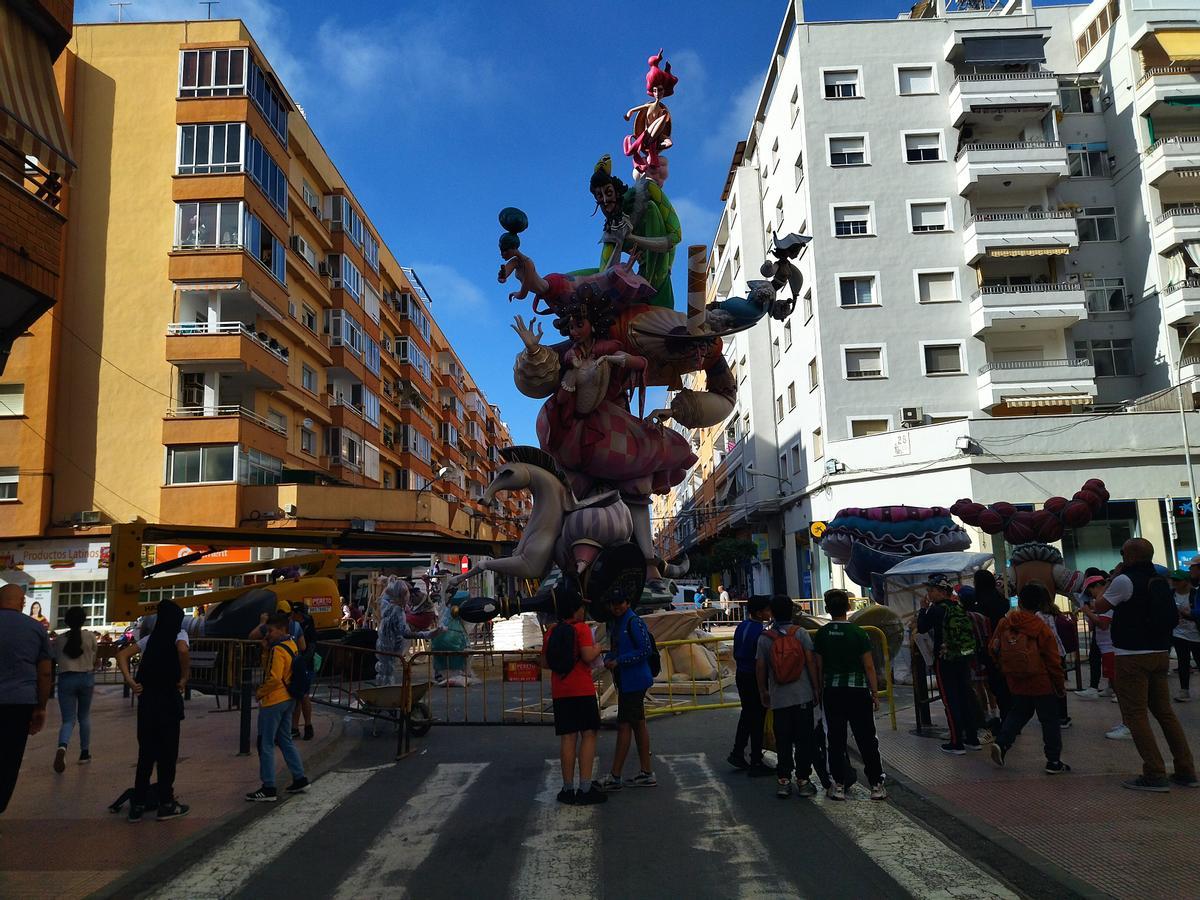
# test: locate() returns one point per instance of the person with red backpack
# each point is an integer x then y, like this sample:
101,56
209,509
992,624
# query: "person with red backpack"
786,669
1026,651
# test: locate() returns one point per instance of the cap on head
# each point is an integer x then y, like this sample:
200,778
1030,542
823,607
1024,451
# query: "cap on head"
1093,579
1180,575
940,582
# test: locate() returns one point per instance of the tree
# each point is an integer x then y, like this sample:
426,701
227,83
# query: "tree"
731,554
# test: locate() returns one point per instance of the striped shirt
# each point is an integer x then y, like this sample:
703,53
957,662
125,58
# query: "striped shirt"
841,647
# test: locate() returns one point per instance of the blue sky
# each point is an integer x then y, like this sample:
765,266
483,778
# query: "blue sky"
438,115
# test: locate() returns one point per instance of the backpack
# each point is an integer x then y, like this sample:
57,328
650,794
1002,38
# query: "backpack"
653,660
562,649
788,659
1019,654
958,634
300,680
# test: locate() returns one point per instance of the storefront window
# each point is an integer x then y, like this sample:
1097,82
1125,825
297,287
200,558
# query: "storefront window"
1178,526
88,594
1099,542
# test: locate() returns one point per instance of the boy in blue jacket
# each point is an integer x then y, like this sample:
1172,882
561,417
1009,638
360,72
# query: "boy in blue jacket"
750,722
628,661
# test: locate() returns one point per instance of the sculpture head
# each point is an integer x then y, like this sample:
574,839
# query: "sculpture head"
608,191
660,83
587,314
511,476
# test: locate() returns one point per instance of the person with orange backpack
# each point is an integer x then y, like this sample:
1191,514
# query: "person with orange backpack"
786,669
1026,650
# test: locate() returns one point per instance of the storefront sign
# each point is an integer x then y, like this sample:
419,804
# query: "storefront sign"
762,543
319,604
522,671
41,558
168,552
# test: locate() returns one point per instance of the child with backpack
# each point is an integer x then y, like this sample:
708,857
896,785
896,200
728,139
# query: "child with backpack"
786,671
750,722
1026,650
944,619
568,651
276,696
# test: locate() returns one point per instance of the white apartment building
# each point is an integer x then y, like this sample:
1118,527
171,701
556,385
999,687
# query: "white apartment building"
1004,201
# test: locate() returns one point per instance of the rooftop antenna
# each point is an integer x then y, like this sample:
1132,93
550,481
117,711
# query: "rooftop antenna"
120,5
210,4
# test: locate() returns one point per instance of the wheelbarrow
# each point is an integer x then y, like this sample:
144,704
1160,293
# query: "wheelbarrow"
388,699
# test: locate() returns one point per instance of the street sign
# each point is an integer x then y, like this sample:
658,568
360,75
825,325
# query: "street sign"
817,529
522,671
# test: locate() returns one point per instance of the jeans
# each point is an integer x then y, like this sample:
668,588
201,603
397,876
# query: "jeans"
275,730
75,703
1095,664
1185,653
158,718
750,722
845,706
793,740
14,732
1141,687
954,684
1023,707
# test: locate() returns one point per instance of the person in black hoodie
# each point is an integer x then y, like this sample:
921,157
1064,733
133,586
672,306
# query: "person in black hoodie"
993,604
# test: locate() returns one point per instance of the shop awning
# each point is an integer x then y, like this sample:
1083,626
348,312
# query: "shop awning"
31,116
1030,251
1049,400
1180,46
996,49
208,286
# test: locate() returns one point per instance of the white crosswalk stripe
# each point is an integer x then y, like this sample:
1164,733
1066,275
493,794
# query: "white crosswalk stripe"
410,837
560,855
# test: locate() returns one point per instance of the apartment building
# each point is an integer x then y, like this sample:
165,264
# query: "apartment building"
240,347
1005,210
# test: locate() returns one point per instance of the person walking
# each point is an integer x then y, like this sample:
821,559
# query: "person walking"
76,682
786,670
24,684
1144,617
275,713
308,653
628,660
994,604
726,603
753,715
1026,651
949,626
1094,584
1186,636
161,680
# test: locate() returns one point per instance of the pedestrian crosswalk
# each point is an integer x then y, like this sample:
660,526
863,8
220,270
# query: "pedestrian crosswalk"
393,831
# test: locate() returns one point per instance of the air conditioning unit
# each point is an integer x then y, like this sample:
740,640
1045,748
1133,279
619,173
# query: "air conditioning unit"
298,244
323,269
290,510
87,517
911,416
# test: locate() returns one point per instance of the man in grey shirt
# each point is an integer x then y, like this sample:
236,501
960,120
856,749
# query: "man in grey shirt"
24,684
790,695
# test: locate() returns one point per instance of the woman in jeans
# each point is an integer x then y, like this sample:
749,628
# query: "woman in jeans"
76,681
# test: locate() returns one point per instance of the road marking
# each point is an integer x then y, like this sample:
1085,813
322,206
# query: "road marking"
560,855
746,866
384,869
245,854
914,858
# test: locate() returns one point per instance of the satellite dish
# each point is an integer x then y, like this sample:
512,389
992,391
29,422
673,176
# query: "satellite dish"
307,423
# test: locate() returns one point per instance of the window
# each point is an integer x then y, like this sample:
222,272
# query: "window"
1097,29
365,402
942,359
305,251
308,442
813,374
371,461
1105,295
449,433
12,400
852,221
1114,357
311,199
200,465
926,217
783,465
212,73
191,390
795,454
265,172
913,80
412,441
371,354
371,252
409,308
90,595
370,302
737,261
205,225
346,275
864,362
265,247
308,316
937,287
347,219
794,104
857,290
8,482
344,447
799,170
779,213
407,351
779,408
259,468
848,151
308,379
278,421
775,352
866,427
818,444
791,396
1079,98
925,146
841,84
210,149
344,331
787,334
1088,163
269,100
807,306
1097,223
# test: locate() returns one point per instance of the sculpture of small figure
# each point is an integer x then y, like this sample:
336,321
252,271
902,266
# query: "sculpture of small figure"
651,133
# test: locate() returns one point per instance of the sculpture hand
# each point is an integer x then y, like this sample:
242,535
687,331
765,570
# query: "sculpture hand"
527,334
660,415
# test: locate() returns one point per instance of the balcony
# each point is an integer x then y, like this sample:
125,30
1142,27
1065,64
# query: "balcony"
1036,383
1016,164
1170,160
223,425
1160,89
1032,306
1036,233
230,265
1176,226
1189,372
1019,94
229,345
1181,302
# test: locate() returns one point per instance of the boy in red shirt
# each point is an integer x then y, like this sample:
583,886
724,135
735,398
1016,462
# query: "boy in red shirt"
568,650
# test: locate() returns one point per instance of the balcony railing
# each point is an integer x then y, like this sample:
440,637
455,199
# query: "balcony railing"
1167,70
199,412
1003,76
340,400
1173,139
1187,283
1032,215
1017,364
1178,211
188,329
1027,288
1007,145
43,184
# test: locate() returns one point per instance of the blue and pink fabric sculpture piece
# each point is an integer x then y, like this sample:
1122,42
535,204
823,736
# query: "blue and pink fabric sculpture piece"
869,541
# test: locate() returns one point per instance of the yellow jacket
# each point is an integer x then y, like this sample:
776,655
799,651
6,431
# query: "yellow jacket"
276,674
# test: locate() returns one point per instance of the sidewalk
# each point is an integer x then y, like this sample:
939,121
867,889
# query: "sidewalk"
60,840
1120,843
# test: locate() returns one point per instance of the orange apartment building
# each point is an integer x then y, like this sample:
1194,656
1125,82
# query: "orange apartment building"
238,346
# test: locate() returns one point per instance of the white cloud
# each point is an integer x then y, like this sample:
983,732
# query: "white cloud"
450,290
734,123
697,220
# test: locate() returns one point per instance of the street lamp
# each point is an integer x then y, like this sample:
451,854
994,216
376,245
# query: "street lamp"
1187,447
753,471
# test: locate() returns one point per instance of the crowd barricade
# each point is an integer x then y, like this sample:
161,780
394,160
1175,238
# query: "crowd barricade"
483,687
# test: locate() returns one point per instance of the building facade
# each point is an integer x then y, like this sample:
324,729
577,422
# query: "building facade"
239,346
1004,202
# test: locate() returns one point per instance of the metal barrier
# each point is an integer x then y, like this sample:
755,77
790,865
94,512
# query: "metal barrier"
467,687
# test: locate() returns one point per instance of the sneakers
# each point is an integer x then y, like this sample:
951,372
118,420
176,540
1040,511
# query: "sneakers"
836,792
1088,694
295,733
1108,691
1183,697
172,810
952,750
998,753
642,779
878,792
84,757
1057,767
1065,723
299,786
60,760
135,813
807,789
308,732
1119,733
567,796
593,795
759,770
609,782
737,761
1146,783
1189,781
783,789
970,746
263,795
